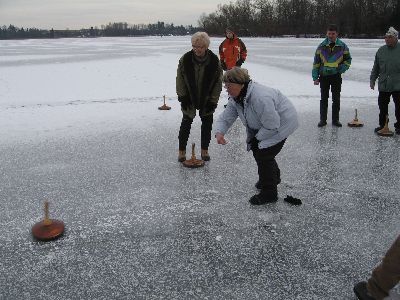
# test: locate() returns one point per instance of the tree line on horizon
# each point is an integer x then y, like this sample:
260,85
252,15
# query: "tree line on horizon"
111,29
355,18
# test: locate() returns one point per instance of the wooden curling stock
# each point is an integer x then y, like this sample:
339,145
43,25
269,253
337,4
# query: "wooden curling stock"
47,229
385,131
164,106
193,162
355,122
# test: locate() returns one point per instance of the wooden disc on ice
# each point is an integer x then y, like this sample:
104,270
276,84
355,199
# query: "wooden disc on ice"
164,106
385,131
355,122
48,229
193,162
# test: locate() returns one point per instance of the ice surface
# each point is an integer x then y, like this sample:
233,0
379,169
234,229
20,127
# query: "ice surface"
79,126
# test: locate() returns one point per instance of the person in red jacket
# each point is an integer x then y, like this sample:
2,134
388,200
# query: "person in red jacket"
232,51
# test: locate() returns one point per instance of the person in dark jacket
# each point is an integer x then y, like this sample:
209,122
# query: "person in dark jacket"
269,118
232,51
387,69
332,58
198,86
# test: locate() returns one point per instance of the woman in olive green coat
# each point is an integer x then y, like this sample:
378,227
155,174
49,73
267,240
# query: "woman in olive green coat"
198,86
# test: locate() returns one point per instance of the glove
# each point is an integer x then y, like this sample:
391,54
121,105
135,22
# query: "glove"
223,65
342,69
239,62
254,143
210,107
372,85
293,200
185,102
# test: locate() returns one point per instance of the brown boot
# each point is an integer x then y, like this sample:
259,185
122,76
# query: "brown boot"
204,155
181,155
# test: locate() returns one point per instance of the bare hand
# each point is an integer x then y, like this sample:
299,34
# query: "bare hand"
372,85
316,82
220,139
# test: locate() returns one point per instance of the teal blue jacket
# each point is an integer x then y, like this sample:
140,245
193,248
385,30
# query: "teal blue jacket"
331,61
387,69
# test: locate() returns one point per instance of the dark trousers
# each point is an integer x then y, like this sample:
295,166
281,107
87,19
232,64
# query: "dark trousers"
333,82
184,131
383,103
269,173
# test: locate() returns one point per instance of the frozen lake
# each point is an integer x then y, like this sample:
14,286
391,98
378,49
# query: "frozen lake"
79,126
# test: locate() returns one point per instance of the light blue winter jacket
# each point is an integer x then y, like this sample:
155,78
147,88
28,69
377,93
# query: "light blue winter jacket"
267,114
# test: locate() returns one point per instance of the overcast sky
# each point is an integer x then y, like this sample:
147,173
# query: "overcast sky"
76,14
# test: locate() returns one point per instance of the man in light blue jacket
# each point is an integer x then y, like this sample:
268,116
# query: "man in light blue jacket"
269,118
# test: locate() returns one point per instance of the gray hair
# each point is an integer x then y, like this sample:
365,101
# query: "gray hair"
236,75
392,32
202,38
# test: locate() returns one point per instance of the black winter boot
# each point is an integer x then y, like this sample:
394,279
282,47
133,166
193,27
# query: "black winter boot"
263,198
336,123
360,289
204,155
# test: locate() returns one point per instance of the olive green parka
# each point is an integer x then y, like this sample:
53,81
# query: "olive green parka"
387,69
199,84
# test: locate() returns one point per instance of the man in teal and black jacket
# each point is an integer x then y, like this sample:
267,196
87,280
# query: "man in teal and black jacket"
387,70
332,58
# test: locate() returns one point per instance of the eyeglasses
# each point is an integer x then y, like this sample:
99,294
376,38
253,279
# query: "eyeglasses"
230,84
198,47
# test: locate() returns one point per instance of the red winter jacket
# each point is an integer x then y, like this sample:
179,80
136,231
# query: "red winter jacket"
232,52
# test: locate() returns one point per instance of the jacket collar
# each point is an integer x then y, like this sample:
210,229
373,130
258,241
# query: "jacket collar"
326,42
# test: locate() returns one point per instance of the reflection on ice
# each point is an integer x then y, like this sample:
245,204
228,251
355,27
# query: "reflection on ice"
87,135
